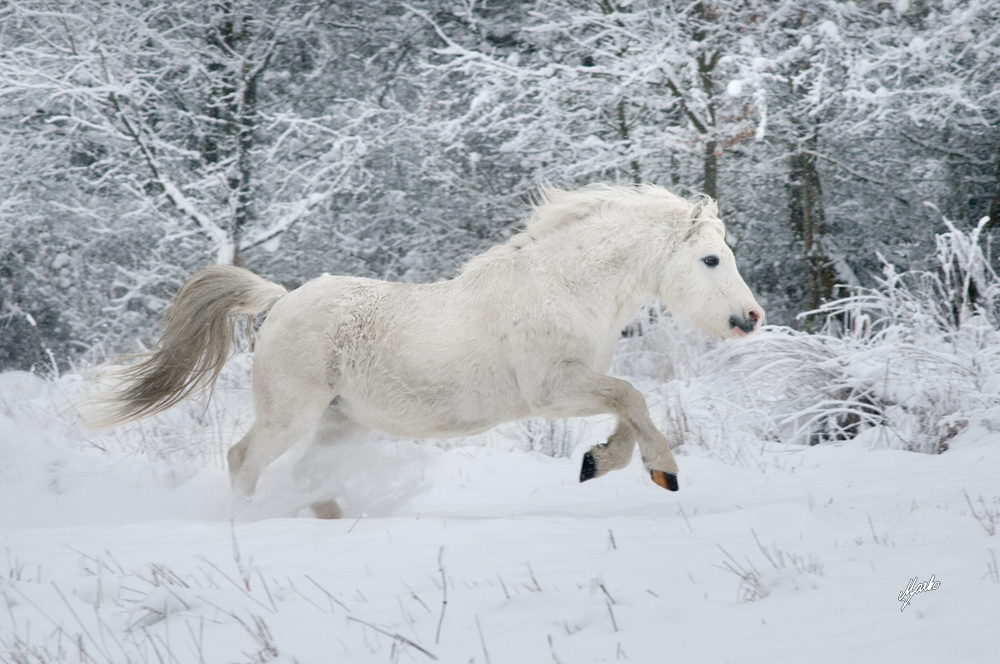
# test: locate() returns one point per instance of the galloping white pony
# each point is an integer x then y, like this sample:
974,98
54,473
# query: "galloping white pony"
526,329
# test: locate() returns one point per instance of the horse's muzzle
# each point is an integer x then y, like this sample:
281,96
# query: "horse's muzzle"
745,324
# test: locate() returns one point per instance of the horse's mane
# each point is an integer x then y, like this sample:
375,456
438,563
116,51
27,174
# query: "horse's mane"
555,209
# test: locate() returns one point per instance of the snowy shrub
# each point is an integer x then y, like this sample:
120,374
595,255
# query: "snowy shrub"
907,364
39,416
555,438
787,569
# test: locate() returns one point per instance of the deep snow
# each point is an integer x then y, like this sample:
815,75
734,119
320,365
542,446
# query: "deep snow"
769,552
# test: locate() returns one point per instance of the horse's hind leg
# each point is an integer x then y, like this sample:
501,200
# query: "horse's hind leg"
280,423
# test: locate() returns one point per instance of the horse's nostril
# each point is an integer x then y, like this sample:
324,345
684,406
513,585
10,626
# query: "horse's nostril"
744,323
753,315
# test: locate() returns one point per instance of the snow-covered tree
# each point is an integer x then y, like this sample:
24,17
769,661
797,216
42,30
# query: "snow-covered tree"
168,102
930,79
140,140
578,92
201,131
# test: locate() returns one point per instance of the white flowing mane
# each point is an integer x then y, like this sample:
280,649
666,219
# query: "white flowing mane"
556,209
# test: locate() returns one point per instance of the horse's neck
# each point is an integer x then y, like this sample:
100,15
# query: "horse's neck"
608,275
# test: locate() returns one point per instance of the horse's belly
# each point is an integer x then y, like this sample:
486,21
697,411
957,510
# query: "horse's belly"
431,411
419,421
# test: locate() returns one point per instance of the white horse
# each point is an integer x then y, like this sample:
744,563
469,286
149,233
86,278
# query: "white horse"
526,329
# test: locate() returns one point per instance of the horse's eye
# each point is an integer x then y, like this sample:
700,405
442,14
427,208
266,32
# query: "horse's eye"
710,261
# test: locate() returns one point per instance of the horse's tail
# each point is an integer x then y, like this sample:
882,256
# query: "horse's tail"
194,346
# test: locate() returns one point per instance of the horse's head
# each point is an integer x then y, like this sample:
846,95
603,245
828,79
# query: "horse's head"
702,284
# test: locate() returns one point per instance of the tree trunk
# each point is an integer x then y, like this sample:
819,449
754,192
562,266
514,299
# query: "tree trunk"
711,170
235,100
706,67
623,133
246,125
994,221
808,221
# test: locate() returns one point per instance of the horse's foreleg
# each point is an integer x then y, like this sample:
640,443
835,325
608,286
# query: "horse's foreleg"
614,454
587,392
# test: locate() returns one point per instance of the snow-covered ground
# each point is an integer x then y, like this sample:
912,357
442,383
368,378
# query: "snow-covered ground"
122,547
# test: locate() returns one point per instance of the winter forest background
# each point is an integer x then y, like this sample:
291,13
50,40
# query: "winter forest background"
141,140
854,149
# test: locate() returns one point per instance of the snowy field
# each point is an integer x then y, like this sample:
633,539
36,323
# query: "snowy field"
122,546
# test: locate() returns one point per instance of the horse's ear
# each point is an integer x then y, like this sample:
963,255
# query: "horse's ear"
696,210
702,205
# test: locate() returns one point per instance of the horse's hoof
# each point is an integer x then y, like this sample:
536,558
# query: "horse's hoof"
328,509
589,469
667,480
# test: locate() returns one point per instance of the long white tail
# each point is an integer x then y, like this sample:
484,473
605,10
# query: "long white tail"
200,332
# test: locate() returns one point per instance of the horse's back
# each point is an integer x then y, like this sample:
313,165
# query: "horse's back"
442,359
399,356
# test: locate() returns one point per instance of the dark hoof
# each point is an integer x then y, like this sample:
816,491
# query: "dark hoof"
667,480
589,469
